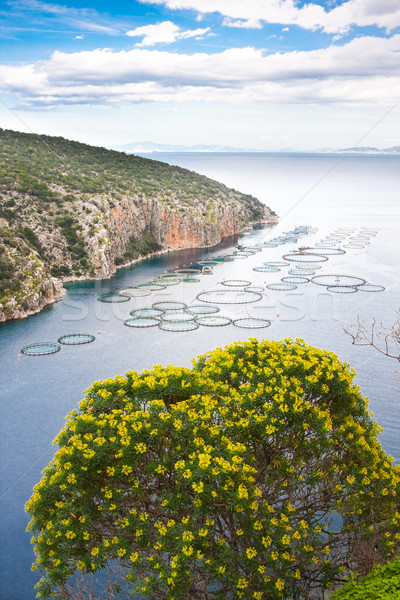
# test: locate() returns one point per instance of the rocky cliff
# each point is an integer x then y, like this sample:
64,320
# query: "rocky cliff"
71,211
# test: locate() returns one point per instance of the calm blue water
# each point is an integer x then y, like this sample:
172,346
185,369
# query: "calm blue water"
320,190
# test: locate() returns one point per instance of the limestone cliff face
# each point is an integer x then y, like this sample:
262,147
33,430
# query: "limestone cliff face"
71,211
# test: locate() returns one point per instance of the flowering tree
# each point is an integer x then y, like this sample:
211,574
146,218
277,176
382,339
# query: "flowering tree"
257,474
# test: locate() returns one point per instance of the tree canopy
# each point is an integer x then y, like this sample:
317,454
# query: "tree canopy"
256,474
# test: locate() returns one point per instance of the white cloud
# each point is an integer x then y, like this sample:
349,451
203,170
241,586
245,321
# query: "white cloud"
164,33
365,70
242,24
382,13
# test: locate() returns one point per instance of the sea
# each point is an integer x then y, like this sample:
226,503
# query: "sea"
327,192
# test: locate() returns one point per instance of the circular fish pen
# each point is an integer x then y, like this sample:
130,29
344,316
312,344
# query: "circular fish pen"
304,257
301,272
190,280
113,298
213,321
178,326
307,266
203,309
178,316
338,280
141,322
342,289
265,269
282,287
168,276
76,339
295,279
236,282
169,305
151,285
147,312
252,323
168,281
228,297
276,263
41,349
326,251
371,287
135,292
188,272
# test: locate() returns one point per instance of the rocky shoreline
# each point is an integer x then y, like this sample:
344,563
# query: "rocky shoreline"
73,212
56,291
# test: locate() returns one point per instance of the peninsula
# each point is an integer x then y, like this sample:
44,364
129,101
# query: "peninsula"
73,211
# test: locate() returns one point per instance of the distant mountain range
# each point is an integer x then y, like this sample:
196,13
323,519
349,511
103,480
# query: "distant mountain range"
151,147
369,150
148,147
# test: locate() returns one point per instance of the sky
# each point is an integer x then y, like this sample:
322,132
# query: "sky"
263,75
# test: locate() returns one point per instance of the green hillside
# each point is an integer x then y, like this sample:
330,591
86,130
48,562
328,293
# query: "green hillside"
70,210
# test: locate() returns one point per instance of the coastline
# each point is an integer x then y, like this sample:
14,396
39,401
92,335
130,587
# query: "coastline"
58,283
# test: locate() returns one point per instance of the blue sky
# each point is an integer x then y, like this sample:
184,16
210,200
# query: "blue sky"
254,74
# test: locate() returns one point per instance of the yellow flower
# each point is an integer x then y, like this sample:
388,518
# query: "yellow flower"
279,584
134,557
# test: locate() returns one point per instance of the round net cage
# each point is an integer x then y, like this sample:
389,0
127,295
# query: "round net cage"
190,280
147,312
282,287
265,269
152,286
168,281
229,257
304,257
252,249
210,263
342,289
247,251
226,258
326,251
135,292
40,349
168,276
276,263
252,323
168,305
241,255
354,246
75,339
141,322
181,315
270,245
236,282
228,297
213,320
301,272
113,298
371,287
203,309
188,272
295,279
338,280
254,288
178,326
307,267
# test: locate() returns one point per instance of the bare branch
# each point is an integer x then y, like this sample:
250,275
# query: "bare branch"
385,340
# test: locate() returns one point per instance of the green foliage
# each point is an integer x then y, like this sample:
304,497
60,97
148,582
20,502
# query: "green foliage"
256,474
383,583
139,246
30,236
